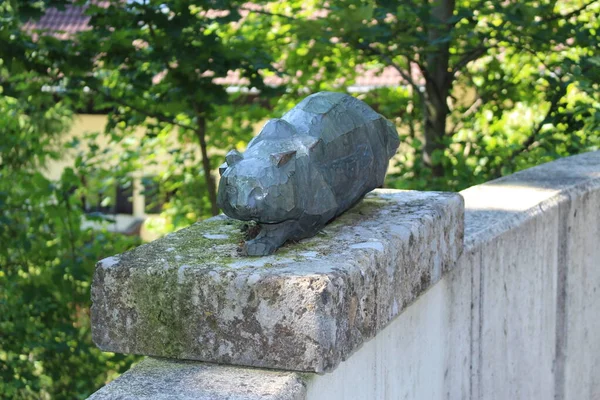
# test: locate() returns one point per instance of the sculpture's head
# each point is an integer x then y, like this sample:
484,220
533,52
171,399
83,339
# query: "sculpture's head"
263,184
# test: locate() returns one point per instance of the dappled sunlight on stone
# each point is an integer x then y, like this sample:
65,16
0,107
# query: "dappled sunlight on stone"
505,197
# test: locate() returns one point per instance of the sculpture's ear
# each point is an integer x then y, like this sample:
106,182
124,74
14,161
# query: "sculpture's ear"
280,159
222,168
233,157
313,144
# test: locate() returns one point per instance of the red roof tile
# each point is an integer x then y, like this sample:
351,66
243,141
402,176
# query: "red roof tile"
61,23
72,19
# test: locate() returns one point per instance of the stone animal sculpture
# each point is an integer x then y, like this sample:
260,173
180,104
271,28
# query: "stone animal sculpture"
306,168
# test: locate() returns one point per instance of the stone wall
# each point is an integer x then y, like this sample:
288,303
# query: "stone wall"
409,296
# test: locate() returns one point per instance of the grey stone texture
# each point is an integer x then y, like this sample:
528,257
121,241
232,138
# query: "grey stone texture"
162,379
190,295
578,344
538,281
306,168
514,318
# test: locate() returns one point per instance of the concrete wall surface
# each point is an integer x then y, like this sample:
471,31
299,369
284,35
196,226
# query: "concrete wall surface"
517,316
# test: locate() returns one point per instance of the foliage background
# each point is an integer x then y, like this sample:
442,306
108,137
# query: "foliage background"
492,87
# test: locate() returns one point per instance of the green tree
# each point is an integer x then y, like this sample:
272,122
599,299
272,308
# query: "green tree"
471,68
154,64
46,256
491,87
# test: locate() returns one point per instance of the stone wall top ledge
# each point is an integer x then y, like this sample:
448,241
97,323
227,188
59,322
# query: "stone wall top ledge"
191,296
162,379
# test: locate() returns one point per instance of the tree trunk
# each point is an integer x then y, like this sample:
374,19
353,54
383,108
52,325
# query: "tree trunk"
434,125
208,178
437,86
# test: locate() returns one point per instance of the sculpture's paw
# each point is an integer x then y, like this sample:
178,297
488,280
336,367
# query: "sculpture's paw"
259,247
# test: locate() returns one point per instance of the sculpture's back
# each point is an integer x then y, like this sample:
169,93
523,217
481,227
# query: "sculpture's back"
306,168
357,143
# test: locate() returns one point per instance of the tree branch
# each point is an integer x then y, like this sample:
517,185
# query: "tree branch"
541,61
570,14
271,14
208,178
469,56
531,139
160,117
470,110
405,75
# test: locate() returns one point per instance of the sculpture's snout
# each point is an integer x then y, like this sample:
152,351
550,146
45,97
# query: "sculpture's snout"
240,202
255,197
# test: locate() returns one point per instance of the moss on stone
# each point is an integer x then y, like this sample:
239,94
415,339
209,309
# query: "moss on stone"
191,246
365,208
192,242
307,377
154,304
292,249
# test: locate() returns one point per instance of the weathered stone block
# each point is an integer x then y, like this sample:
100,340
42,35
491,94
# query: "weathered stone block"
190,295
161,379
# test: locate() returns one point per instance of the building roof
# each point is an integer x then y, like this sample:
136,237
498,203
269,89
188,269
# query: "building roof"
64,23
